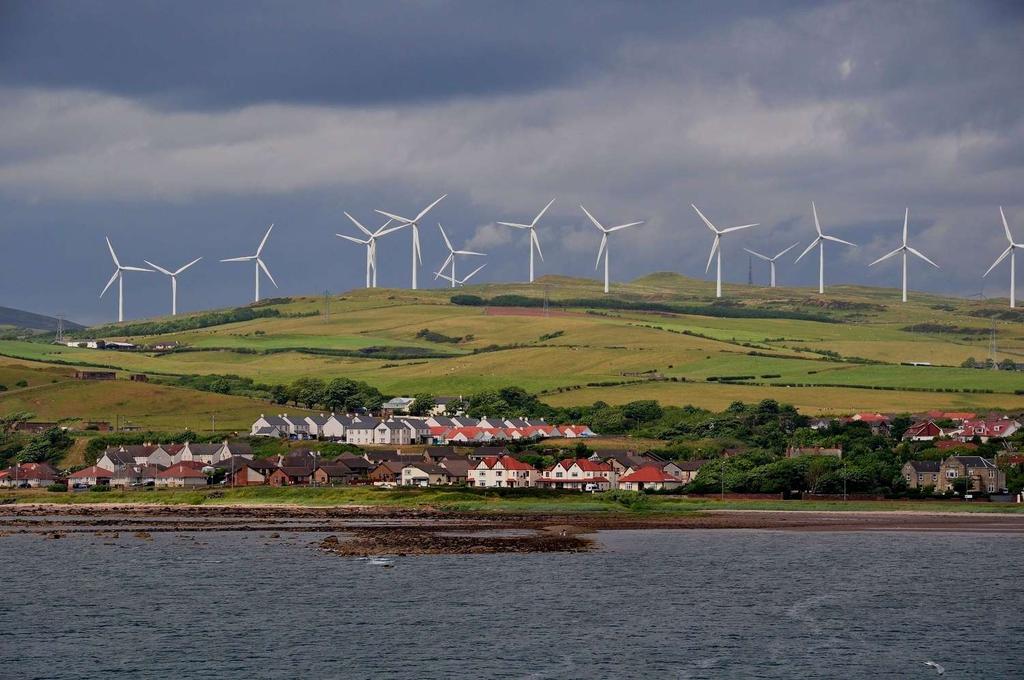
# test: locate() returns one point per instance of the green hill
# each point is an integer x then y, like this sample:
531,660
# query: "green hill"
662,336
21,320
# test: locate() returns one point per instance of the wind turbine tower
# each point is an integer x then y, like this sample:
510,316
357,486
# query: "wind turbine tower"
771,260
532,228
259,263
174,281
119,270
1011,251
903,250
371,246
417,258
604,249
716,247
820,242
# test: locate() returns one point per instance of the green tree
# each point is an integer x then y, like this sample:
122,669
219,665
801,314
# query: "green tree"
49,446
643,411
422,405
969,362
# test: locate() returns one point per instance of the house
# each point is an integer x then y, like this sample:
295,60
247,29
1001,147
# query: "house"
94,375
163,454
438,453
441,405
269,426
377,457
688,470
397,405
505,471
245,472
580,474
925,431
314,424
794,451
921,473
335,427
335,472
576,431
987,428
35,427
28,475
90,476
424,474
114,458
388,473
458,469
878,422
482,452
419,427
649,478
820,423
298,428
982,473
208,454
393,432
361,431
229,449
290,475
181,475
135,475
955,416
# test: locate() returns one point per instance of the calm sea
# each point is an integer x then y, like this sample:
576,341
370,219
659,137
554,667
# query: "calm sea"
672,604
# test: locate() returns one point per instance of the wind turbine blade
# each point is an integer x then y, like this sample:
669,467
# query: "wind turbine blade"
111,281
186,266
472,273
159,268
817,224
396,218
921,255
112,253
838,240
541,213
267,272
416,244
360,226
1006,227
446,262
887,256
536,243
353,239
781,253
711,255
243,259
264,241
808,249
514,225
742,226
706,220
600,251
445,237
625,226
427,209
999,259
763,257
135,269
592,218
469,252
383,231
442,275
906,218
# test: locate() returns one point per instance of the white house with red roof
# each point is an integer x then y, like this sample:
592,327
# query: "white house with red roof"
988,428
576,431
90,476
579,474
649,477
926,431
504,471
181,475
31,475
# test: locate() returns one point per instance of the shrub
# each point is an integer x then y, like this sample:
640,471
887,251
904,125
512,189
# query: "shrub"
57,487
634,500
21,383
100,488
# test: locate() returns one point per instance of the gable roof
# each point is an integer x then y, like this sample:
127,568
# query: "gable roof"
648,474
924,465
180,471
91,471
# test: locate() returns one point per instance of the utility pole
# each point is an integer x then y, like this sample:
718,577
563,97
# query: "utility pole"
213,422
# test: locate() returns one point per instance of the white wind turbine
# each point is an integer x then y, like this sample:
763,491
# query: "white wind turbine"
119,270
415,224
461,281
771,260
174,281
532,227
904,249
603,250
259,263
820,242
716,247
1011,250
371,246
451,259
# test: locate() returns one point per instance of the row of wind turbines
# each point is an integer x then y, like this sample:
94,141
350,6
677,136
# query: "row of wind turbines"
447,270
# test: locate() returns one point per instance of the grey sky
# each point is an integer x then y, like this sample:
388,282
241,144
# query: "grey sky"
182,129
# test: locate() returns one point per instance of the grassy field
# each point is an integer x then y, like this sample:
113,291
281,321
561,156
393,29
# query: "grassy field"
569,347
455,499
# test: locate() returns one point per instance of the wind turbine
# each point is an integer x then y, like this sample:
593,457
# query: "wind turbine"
461,281
119,270
603,250
415,224
259,263
904,249
820,242
1011,250
716,247
771,260
174,281
451,259
371,246
532,227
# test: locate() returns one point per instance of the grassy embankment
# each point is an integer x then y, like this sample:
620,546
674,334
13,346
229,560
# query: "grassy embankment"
464,500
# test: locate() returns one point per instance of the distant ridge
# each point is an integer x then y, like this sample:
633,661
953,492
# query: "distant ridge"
19,318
